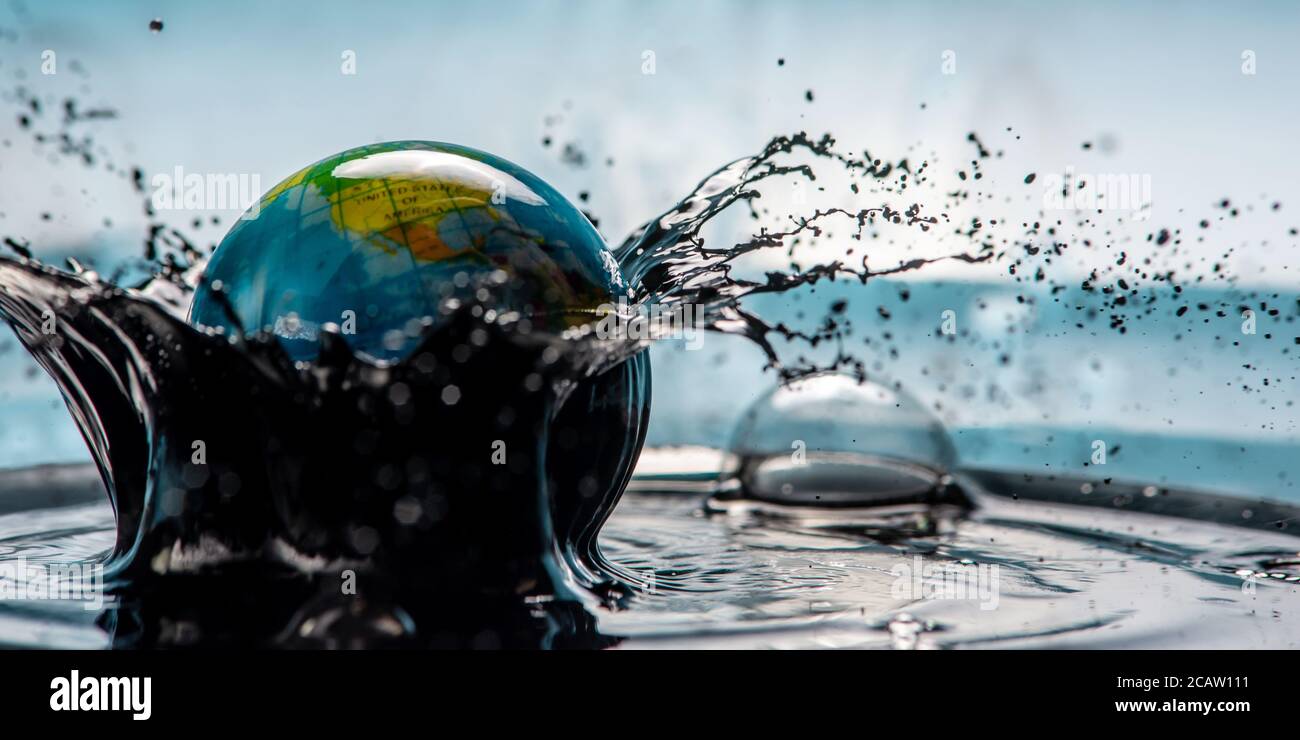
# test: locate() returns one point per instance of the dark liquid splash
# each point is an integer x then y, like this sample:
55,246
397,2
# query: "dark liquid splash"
222,455
313,474
311,477
670,265
219,454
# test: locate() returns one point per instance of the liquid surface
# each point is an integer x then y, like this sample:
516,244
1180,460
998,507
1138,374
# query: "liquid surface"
1068,576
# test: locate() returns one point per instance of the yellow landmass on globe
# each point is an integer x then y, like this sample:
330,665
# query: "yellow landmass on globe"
416,214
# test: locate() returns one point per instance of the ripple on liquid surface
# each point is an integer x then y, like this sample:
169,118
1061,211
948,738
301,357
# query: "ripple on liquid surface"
1068,577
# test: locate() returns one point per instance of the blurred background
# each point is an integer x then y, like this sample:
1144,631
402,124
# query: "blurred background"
625,106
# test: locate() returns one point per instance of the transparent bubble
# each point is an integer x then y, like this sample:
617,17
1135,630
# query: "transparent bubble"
830,441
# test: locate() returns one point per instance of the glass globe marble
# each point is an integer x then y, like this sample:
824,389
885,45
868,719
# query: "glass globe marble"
375,238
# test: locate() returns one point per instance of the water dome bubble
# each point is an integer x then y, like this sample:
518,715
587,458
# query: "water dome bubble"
829,440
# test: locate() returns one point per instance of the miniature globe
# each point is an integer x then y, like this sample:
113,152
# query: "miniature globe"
372,241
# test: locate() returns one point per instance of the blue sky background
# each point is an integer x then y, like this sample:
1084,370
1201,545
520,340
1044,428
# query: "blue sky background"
255,87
